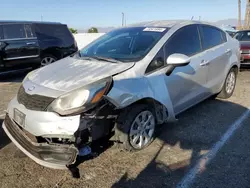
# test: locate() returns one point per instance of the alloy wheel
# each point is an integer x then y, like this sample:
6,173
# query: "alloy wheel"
230,82
47,60
142,130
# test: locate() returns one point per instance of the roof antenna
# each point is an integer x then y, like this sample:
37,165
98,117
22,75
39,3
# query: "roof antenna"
192,17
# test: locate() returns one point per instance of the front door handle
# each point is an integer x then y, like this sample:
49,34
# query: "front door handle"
228,51
204,63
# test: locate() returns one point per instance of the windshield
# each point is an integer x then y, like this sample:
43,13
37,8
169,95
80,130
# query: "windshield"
126,44
242,36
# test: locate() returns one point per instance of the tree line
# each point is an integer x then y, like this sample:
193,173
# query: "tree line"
90,30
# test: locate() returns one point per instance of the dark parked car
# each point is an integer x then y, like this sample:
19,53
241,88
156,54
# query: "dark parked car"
244,37
33,44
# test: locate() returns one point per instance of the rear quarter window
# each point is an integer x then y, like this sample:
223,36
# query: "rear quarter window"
54,32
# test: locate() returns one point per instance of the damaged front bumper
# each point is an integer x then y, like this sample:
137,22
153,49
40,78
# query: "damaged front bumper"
55,156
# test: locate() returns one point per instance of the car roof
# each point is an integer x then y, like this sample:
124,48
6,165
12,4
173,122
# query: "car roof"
28,22
167,23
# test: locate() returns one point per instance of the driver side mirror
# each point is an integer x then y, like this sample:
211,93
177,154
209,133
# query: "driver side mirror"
176,60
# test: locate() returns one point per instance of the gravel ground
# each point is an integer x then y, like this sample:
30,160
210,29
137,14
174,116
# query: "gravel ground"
164,163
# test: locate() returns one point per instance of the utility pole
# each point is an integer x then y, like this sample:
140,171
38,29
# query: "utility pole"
239,14
122,19
247,16
125,21
41,17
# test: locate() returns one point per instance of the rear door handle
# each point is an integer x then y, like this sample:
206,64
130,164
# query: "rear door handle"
204,63
228,51
30,43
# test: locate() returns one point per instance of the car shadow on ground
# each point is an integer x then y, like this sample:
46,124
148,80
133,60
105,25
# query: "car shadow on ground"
244,68
4,140
198,129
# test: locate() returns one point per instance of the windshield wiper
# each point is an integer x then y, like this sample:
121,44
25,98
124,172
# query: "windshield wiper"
108,59
99,58
86,57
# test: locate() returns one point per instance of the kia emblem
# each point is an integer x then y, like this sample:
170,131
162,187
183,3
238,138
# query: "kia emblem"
31,88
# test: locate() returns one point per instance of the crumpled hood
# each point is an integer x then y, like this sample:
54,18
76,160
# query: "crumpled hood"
70,73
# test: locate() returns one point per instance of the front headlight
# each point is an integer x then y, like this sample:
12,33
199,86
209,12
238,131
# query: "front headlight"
27,76
81,99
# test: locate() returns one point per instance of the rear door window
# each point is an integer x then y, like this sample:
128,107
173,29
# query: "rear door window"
54,32
14,31
211,37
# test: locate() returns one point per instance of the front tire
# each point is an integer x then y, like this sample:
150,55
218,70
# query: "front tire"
229,84
135,127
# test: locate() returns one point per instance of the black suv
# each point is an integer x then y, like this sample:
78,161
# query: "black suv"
33,44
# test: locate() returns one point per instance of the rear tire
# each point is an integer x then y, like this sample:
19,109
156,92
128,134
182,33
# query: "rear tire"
229,84
47,59
135,127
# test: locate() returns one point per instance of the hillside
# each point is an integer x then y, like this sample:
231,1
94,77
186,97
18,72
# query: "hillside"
232,22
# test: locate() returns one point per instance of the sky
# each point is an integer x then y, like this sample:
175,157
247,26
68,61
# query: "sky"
82,14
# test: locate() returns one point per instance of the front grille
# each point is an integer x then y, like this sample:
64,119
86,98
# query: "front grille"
49,155
33,102
29,136
17,133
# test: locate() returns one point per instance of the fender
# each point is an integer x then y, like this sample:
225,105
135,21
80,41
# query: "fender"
128,91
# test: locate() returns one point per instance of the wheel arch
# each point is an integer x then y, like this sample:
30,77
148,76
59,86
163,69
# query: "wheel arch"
222,93
56,53
236,67
159,109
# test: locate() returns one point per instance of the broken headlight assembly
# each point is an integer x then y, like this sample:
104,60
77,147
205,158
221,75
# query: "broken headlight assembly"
81,99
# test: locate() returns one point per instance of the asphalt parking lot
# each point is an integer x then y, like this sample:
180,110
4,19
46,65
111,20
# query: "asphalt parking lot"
208,147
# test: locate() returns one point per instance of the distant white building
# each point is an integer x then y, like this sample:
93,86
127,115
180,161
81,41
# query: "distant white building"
83,39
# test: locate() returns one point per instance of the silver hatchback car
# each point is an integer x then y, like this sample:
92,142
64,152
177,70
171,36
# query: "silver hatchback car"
120,86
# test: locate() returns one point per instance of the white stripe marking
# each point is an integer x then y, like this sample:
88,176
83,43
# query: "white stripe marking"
204,161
